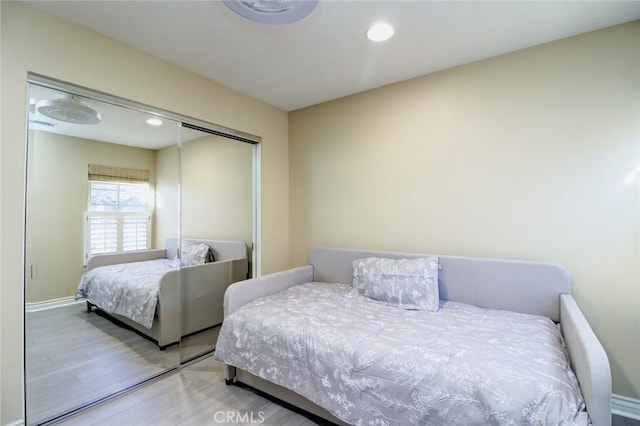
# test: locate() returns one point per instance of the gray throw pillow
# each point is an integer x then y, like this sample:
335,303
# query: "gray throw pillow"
406,283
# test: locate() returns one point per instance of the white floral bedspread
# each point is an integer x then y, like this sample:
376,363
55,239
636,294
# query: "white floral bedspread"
129,289
372,364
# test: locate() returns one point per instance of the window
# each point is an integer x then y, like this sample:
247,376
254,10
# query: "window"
117,218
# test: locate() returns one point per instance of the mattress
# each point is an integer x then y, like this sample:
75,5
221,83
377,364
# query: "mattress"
368,363
129,289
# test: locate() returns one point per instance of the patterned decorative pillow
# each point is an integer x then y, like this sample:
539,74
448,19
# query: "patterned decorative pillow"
193,253
406,283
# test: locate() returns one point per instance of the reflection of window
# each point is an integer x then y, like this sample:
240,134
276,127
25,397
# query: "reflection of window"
118,197
117,218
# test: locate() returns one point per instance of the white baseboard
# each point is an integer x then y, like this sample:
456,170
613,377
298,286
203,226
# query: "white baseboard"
19,422
48,304
625,406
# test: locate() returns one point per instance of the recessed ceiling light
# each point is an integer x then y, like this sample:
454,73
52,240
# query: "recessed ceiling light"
154,122
380,31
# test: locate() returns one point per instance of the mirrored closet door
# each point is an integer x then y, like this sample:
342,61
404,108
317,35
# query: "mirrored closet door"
96,186
217,188
91,190
136,222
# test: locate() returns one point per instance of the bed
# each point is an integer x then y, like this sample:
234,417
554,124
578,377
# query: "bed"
159,298
506,344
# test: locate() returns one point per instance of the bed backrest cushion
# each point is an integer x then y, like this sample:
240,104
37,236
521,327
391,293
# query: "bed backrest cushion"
222,250
520,286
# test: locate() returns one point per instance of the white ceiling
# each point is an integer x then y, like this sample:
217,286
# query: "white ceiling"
326,55
119,125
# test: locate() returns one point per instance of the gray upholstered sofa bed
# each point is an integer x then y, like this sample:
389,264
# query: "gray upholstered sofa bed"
190,298
520,286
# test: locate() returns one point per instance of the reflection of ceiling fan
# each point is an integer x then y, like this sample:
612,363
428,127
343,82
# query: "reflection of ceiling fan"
68,109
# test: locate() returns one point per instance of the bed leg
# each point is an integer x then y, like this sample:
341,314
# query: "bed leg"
229,374
89,306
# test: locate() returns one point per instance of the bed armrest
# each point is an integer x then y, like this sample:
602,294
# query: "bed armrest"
134,256
588,360
243,292
234,269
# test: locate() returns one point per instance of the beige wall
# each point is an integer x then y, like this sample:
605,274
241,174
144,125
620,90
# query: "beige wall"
2,391
57,199
217,189
36,42
167,214
525,155
216,185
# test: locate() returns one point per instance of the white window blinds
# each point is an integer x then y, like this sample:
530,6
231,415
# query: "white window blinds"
117,218
108,232
135,232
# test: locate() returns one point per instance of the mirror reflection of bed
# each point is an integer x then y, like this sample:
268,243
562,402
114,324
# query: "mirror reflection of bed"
75,357
165,294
